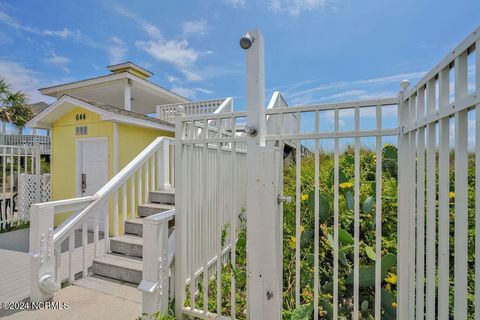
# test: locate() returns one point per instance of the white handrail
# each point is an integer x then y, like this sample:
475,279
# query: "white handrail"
62,232
149,170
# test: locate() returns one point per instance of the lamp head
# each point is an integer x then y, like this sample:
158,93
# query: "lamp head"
246,41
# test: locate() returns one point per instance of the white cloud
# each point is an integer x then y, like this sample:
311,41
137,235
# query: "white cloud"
149,28
197,27
116,49
62,34
295,7
191,93
236,3
185,92
295,91
59,61
176,52
23,79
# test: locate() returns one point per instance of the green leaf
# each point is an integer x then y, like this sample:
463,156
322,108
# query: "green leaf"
327,307
324,205
370,253
343,236
364,305
387,300
367,205
240,279
349,199
367,273
303,312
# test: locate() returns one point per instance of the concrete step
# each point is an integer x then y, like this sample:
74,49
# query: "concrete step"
120,267
167,196
134,226
147,209
130,245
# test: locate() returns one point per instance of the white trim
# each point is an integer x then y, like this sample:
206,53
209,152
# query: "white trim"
104,115
127,96
52,91
115,148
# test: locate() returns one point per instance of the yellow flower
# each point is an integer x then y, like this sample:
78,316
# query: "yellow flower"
394,305
451,195
391,278
302,229
346,185
388,286
304,197
293,243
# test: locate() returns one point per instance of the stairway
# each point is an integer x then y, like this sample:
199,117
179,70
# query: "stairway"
124,262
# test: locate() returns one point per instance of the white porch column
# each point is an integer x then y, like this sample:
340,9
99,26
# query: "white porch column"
264,294
127,96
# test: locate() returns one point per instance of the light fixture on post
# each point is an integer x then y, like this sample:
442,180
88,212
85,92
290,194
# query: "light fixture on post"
246,41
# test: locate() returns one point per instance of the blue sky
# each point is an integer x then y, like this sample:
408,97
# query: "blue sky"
316,50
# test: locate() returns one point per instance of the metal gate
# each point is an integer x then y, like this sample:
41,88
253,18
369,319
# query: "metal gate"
348,245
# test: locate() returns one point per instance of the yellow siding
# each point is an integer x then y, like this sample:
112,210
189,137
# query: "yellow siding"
64,151
131,141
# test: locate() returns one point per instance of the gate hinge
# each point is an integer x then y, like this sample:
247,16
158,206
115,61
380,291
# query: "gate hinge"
282,199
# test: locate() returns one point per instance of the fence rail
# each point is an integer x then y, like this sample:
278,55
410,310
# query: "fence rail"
43,143
167,111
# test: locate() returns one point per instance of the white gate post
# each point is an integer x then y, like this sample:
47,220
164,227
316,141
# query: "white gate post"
264,290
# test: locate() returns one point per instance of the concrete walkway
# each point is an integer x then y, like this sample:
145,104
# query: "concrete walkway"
90,298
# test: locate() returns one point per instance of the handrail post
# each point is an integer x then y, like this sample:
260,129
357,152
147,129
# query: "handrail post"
43,282
154,285
163,166
264,289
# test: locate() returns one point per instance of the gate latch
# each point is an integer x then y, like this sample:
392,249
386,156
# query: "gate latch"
283,199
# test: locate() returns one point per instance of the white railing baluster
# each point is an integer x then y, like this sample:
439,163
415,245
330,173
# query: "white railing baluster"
356,222
378,216
420,183
71,249
147,176
461,192
132,197
298,220
431,206
84,250
477,185
139,186
124,205
336,165
96,233
317,223
115,213
443,202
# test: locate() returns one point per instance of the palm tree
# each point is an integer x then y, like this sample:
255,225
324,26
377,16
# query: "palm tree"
12,106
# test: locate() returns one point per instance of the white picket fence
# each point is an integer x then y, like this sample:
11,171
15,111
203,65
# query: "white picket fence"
17,162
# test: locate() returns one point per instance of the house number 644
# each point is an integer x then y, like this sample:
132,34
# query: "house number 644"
80,116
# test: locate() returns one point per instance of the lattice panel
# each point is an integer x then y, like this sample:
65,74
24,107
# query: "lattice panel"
27,192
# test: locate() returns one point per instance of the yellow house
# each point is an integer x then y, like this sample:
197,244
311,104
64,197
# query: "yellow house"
99,125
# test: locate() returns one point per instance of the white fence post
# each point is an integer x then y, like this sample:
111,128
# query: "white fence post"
42,277
403,220
163,166
264,294
180,243
154,285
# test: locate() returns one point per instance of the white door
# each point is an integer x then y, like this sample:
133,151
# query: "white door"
92,170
